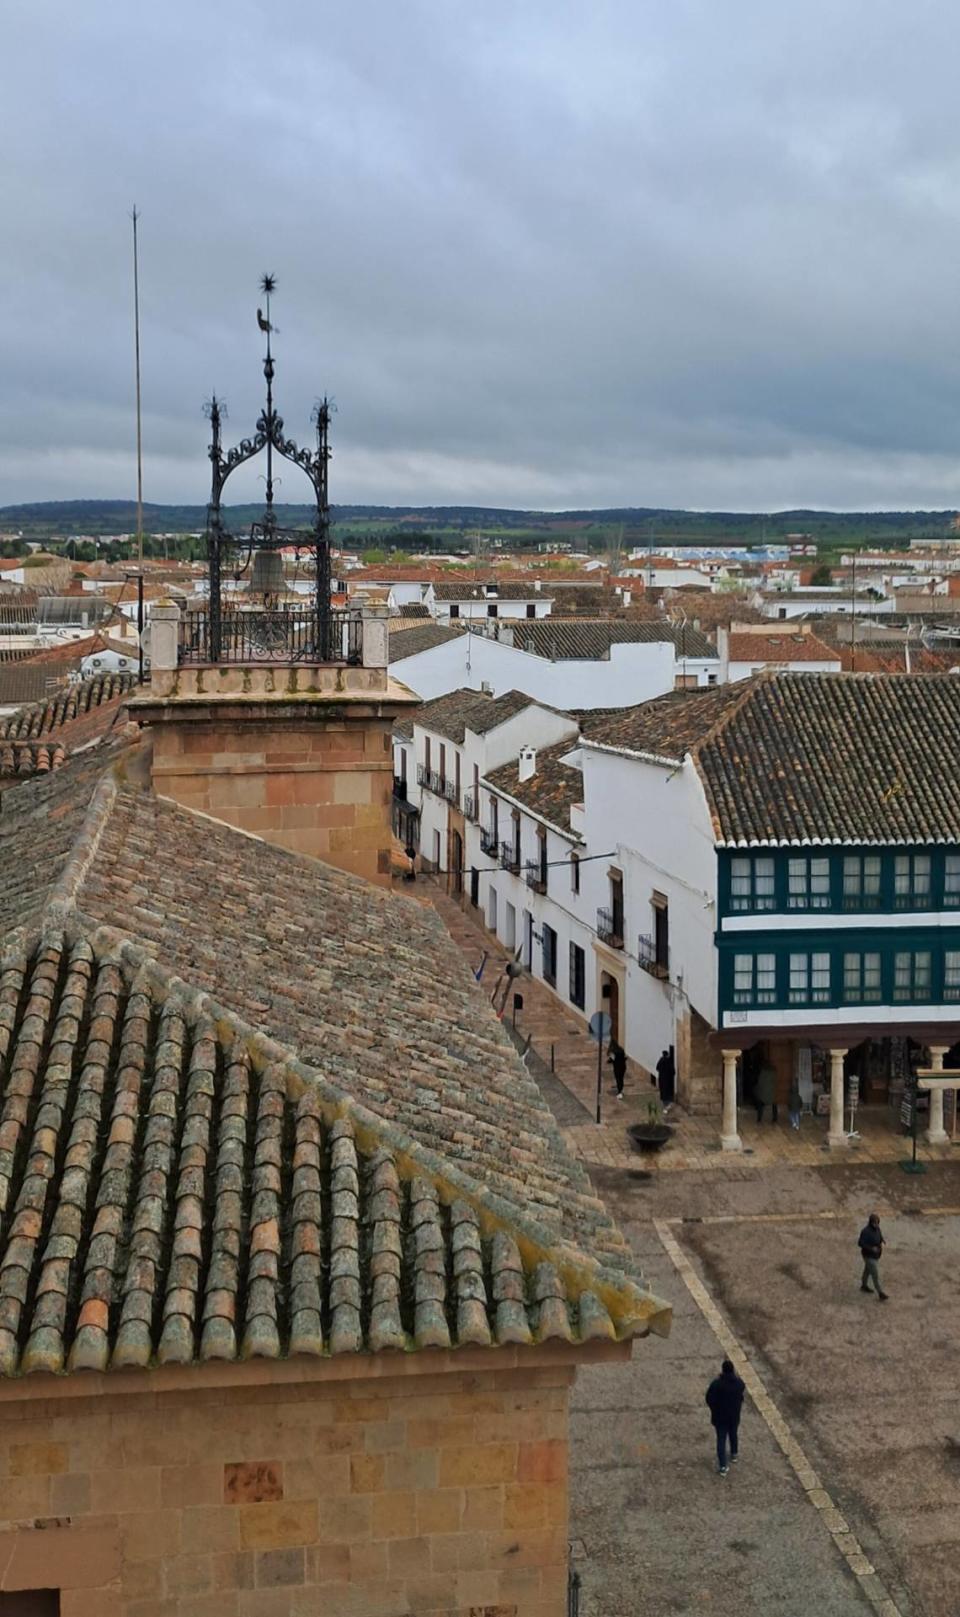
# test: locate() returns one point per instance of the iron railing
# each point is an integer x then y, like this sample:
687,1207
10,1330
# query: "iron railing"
287,634
400,788
489,840
510,857
430,778
449,790
610,927
536,876
471,808
657,963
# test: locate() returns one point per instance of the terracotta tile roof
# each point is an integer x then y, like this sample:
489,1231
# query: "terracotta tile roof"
503,591
813,758
551,793
452,714
38,738
408,641
591,638
172,1195
410,609
890,657
667,727
201,1158
784,648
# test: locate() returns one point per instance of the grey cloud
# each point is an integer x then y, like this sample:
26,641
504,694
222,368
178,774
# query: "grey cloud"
544,254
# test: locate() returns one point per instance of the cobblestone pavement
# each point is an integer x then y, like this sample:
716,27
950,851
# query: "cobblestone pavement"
846,1499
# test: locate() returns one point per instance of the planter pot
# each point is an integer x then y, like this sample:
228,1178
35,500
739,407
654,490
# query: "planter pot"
650,1136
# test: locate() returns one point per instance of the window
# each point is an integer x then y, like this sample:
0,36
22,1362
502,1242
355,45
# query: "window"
911,881
754,979
808,884
515,836
443,762
616,901
454,609
861,978
574,873
861,881
403,763
426,753
661,933
752,884
456,774
578,976
911,975
550,956
492,610
951,974
951,880
809,979
531,610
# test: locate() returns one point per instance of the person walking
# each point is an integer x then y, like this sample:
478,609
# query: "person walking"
725,1401
795,1104
764,1091
871,1244
666,1079
617,1058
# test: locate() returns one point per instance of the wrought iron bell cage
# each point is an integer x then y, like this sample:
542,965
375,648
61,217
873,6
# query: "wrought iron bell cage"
224,549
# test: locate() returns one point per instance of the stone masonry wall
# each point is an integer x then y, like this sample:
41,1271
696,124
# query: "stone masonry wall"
321,787
422,1495
699,1067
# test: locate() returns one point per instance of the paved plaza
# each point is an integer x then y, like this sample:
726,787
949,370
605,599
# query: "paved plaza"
846,1499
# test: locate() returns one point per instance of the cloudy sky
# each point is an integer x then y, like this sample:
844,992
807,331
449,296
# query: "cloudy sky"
698,253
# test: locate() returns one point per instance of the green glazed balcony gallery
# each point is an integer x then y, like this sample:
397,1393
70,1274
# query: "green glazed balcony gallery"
864,880
840,970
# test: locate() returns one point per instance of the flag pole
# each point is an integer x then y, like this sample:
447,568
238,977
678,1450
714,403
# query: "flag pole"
136,329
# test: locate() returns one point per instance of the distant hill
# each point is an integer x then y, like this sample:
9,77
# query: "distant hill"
405,524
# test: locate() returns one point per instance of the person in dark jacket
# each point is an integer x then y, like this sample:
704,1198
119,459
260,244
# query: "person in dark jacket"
666,1079
871,1244
764,1091
617,1058
725,1401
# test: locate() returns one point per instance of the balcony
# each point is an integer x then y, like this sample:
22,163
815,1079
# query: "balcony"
471,810
400,788
489,841
287,634
430,778
658,965
536,876
510,857
449,790
610,928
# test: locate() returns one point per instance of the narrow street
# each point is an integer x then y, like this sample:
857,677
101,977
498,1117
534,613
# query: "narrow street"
846,1498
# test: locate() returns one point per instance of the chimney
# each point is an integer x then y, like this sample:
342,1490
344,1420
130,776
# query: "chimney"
527,763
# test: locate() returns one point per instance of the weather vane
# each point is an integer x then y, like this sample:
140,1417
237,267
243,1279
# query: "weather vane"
268,284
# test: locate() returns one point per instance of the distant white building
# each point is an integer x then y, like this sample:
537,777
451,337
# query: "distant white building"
746,648
481,603
566,662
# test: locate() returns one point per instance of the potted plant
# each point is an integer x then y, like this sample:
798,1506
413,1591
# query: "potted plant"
654,1133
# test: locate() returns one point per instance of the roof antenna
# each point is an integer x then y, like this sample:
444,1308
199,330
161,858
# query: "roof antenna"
135,215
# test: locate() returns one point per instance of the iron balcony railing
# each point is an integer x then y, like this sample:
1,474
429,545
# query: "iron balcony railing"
658,965
489,840
471,808
448,789
430,778
510,857
286,634
536,876
610,927
400,788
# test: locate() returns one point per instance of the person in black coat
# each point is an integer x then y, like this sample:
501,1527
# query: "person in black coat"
617,1058
725,1401
666,1078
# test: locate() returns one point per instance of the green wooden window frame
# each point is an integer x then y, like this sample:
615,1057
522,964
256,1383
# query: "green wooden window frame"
837,969
838,880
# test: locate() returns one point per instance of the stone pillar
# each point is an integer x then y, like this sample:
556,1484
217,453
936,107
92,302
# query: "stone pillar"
729,1136
837,1135
376,635
164,637
936,1133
